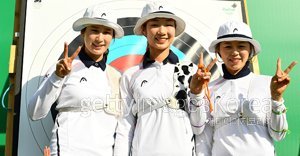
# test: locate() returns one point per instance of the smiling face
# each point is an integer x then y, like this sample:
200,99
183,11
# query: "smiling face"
97,39
160,33
235,54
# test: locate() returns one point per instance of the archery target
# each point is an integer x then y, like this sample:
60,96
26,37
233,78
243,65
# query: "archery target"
47,29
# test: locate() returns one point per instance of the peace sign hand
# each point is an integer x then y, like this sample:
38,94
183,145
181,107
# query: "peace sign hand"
202,76
280,80
64,66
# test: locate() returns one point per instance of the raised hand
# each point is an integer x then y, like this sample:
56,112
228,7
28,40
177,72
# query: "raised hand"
280,80
46,151
64,66
202,76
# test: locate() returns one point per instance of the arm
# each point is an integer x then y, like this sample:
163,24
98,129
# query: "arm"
50,89
278,125
45,96
199,112
279,82
126,124
200,97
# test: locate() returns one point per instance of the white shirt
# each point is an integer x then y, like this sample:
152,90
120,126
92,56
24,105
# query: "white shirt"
161,132
242,120
81,127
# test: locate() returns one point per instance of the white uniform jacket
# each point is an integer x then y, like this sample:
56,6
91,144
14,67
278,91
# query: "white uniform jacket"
151,126
245,119
86,122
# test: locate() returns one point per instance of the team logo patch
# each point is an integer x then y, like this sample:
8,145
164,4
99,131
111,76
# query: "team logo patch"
143,82
83,79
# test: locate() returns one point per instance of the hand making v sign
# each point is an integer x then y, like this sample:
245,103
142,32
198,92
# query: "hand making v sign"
202,75
280,80
64,66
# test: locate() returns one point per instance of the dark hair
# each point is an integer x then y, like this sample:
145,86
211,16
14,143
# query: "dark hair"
82,30
114,35
144,26
217,47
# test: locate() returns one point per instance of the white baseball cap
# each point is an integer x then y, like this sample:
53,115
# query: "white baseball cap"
96,15
235,31
158,10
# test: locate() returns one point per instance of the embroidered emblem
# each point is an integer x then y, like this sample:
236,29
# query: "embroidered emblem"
82,79
143,82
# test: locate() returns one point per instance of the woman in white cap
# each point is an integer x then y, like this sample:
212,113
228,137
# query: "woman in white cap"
156,118
85,89
249,111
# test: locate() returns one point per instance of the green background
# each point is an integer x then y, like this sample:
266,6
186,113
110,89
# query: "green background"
274,23
7,9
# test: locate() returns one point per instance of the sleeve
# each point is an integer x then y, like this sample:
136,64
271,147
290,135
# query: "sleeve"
199,112
277,124
126,124
199,109
204,142
45,96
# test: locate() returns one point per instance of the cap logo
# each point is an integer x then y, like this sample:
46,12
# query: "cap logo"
235,29
103,14
160,7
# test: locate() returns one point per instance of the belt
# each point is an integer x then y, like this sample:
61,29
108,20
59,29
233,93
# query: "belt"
142,109
109,109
